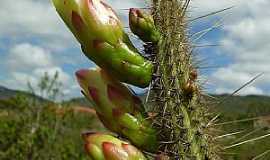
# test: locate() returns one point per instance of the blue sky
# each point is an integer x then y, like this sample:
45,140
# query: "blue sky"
34,40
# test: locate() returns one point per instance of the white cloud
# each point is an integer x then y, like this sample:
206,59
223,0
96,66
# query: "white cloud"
247,33
228,80
246,38
35,33
27,56
63,77
33,19
117,5
231,77
250,90
27,63
20,80
38,19
203,7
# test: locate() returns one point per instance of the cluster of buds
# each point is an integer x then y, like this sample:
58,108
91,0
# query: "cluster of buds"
101,146
103,40
118,109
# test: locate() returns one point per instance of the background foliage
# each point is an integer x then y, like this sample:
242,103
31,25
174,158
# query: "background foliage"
37,128
34,127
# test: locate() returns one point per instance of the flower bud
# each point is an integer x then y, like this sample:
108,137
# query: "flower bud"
193,75
118,109
189,88
102,146
142,25
101,35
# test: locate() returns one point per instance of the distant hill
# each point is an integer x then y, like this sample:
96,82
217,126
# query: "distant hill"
6,93
251,105
80,101
234,106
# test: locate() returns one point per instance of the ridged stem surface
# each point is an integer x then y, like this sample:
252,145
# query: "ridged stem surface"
180,113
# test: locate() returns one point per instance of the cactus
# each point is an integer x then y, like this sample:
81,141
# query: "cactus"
178,112
103,40
100,146
181,111
118,109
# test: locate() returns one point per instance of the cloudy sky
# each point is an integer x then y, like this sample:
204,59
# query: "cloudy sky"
34,40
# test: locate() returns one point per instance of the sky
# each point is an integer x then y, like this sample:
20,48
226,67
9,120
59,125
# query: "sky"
34,40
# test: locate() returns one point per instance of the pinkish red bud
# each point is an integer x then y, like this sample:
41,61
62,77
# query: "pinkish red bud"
100,146
118,108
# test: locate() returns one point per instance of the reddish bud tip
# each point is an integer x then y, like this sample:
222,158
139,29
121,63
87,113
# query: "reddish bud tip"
77,21
97,44
81,74
107,146
114,93
94,94
111,151
117,112
131,150
193,75
135,12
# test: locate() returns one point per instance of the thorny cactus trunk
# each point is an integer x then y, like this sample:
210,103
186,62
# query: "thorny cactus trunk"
176,126
181,113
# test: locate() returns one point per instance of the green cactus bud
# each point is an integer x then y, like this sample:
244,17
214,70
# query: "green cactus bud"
102,146
103,40
118,109
142,25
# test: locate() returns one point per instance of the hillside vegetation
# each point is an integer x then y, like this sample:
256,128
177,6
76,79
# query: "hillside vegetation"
34,128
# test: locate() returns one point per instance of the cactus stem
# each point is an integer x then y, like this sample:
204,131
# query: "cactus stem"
177,99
